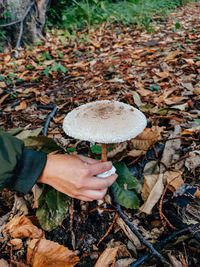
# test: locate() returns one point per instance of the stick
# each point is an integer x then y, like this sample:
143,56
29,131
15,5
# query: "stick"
161,244
132,227
53,112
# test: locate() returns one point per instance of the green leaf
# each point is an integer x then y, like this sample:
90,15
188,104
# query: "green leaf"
96,149
53,207
197,120
125,178
154,87
126,198
71,149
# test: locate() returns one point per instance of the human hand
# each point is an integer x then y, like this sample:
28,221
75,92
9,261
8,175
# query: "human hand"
75,176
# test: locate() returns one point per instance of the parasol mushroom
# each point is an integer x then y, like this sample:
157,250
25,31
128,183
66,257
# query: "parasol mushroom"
104,122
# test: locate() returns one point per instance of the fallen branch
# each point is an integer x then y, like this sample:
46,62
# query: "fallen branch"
132,227
161,244
53,112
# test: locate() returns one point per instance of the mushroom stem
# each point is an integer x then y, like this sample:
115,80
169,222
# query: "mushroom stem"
104,153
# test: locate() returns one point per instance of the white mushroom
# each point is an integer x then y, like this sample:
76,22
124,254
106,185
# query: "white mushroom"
104,122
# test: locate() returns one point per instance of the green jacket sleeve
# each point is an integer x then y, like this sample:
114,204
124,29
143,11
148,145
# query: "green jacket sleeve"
19,167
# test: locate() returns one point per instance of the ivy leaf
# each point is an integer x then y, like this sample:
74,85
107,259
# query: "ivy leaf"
126,198
125,178
53,207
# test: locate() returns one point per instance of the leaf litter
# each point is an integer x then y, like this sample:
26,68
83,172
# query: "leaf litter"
161,78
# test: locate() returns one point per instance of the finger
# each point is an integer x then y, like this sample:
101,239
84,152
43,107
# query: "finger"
88,160
93,194
100,167
95,183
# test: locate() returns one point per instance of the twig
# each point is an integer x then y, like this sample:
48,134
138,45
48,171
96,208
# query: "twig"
162,216
132,227
109,229
21,21
183,261
154,149
71,211
161,244
11,23
53,112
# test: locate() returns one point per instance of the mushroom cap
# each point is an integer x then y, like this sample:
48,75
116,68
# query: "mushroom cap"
104,121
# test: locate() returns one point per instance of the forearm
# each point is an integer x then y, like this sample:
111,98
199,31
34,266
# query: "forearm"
20,167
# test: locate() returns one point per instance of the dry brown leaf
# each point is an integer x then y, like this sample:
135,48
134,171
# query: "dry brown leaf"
3,98
44,100
147,138
20,227
131,236
136,153
7,58
3,84
107,257
16,243
174,100
46,253
191,131
37,191
162,75
59,119
21,106
31,90
116,149
172,55
149,182
154,196
144,92
197,89
174,179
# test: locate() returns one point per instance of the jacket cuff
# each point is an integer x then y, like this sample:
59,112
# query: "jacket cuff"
28,170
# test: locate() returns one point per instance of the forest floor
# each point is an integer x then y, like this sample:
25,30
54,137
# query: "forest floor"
158,73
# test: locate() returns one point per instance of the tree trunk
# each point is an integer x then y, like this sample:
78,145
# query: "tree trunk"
30,17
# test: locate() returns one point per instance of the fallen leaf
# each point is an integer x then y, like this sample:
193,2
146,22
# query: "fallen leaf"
149,182
171,55
37,191
107,257
191,131
162,75
46,253
21,106
16,243
193,161
59,119
3,98
7,58
20,227
131,236
147,138
154,195
44,100
3,84
197,89
174,179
